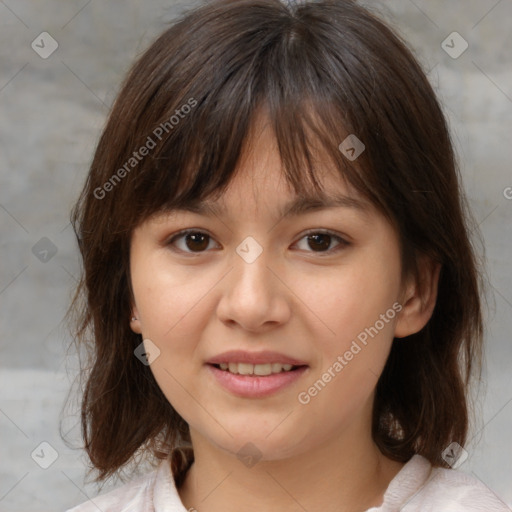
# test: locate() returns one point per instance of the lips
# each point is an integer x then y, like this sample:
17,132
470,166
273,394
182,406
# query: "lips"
254,374
265,357
253,386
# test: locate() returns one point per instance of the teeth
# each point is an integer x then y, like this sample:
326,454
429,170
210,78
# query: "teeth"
255,369
276,367
263,369
244,368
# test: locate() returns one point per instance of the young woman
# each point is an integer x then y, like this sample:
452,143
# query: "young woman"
279,285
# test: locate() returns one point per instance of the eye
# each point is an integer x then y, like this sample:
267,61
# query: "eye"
195,241
321,241
191,241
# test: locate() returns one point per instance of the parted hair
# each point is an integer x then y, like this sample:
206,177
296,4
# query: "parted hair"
322,70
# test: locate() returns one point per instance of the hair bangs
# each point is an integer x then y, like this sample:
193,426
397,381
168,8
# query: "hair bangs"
309,117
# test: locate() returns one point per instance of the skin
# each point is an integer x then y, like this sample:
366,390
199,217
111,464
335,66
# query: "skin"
296,299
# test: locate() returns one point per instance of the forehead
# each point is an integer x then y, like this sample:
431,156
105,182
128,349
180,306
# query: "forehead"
260,185
260,178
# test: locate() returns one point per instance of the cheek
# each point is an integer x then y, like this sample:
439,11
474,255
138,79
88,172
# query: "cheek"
175,307
354,297
355,305
169,299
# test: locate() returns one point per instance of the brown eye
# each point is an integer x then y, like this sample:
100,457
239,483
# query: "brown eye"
322,242
191,241
197,241
319,242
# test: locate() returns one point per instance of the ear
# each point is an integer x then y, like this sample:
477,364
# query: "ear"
418,303
135,320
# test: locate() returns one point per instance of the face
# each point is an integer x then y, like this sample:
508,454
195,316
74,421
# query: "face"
317,289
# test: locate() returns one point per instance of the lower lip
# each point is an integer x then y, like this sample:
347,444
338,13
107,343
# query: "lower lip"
249,386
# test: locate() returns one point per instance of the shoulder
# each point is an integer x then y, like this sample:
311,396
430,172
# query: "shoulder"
452,490
135,496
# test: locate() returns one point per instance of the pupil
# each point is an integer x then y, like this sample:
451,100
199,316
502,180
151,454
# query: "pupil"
322,241
199,241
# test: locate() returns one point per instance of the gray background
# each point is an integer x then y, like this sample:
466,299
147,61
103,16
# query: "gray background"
51,114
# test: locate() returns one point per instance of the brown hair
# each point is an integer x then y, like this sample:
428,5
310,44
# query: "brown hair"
321,70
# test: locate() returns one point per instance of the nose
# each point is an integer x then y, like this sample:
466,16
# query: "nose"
254,296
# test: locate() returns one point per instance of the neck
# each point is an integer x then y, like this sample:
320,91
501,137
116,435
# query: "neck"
347,473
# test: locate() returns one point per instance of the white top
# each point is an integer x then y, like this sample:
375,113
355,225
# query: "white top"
416,487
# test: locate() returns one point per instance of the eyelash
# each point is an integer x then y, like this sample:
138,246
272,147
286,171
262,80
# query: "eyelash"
342,243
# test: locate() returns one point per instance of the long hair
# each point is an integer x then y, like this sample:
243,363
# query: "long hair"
174,137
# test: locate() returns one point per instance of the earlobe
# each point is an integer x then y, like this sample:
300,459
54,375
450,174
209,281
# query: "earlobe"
419,302
135,321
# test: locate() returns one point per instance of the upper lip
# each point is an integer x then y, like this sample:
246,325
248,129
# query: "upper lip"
240,356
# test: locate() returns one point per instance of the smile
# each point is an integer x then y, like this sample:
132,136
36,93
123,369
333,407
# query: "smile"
255,369
252,384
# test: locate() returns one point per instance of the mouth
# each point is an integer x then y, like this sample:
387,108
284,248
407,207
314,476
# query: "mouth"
256,370
255,375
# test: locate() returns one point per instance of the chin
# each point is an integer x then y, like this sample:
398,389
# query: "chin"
257,445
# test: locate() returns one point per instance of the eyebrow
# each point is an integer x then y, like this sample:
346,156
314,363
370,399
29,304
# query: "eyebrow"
295,207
